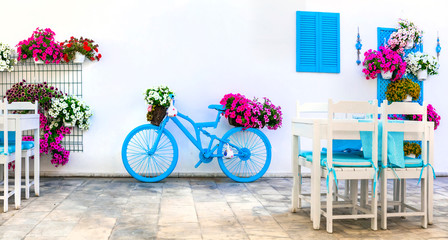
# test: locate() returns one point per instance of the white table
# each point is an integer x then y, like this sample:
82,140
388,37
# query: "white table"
20,123
316,129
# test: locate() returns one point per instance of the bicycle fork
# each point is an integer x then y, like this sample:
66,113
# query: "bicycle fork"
159,135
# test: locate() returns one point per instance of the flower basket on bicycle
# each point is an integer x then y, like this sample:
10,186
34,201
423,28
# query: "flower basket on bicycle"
242,112
158,99
156,115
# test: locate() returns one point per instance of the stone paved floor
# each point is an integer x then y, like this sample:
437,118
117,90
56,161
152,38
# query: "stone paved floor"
192,208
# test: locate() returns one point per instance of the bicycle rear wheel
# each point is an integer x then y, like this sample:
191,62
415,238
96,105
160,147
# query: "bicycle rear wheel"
253,159
140,163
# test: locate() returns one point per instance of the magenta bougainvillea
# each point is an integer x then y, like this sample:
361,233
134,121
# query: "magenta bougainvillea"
385,59
250,113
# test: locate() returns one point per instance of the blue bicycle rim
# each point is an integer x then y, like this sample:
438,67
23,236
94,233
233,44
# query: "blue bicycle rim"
251,167
141,165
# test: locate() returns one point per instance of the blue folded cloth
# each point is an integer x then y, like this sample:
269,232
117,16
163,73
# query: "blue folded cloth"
340,145
11,136
395,153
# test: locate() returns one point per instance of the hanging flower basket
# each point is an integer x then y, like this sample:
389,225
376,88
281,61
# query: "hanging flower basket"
386,75
68,124
421,65
409,44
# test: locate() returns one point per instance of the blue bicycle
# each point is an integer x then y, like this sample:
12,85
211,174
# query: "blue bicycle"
150,152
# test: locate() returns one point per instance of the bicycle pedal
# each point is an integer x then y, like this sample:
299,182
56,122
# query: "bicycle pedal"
197,164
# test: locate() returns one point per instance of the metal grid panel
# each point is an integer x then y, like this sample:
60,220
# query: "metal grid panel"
67,77
383,36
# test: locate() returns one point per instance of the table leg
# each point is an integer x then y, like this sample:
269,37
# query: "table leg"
295,200
315,178
18,166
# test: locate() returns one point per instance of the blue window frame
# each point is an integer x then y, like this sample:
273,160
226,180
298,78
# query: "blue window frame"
318,42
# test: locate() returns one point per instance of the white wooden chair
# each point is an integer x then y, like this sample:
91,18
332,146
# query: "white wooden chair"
358,169
336,129
414,169
8,149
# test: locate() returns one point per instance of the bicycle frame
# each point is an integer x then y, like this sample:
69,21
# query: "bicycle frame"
198,128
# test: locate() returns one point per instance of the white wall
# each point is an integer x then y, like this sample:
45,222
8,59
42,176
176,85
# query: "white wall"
204,49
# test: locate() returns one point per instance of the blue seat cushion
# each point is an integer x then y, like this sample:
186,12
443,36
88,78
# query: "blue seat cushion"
352,159
408,161
26,145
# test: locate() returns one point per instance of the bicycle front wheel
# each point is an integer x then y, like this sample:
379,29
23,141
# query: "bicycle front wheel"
252,160
143,165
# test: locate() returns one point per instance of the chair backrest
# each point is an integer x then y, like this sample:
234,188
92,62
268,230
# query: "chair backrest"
348,108
340,128
408,127
6,108
311,108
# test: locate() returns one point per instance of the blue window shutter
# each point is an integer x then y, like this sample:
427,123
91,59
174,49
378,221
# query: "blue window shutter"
307,43
329,43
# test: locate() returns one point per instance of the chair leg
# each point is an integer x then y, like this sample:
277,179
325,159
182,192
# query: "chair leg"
330,205
335,196
300,186
374,205
396,195
364,192
403,196
354,195
424,199
347,188
6,191
27,176
295,185
383,201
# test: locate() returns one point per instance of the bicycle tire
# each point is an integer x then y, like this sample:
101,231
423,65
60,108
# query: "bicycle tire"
136,159
252,166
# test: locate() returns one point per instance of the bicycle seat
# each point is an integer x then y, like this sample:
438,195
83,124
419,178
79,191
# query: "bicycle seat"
217,107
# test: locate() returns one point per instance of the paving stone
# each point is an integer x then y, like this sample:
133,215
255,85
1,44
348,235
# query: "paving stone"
195,208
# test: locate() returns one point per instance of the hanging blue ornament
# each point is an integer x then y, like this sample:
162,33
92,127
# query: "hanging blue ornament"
438,48
358,47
